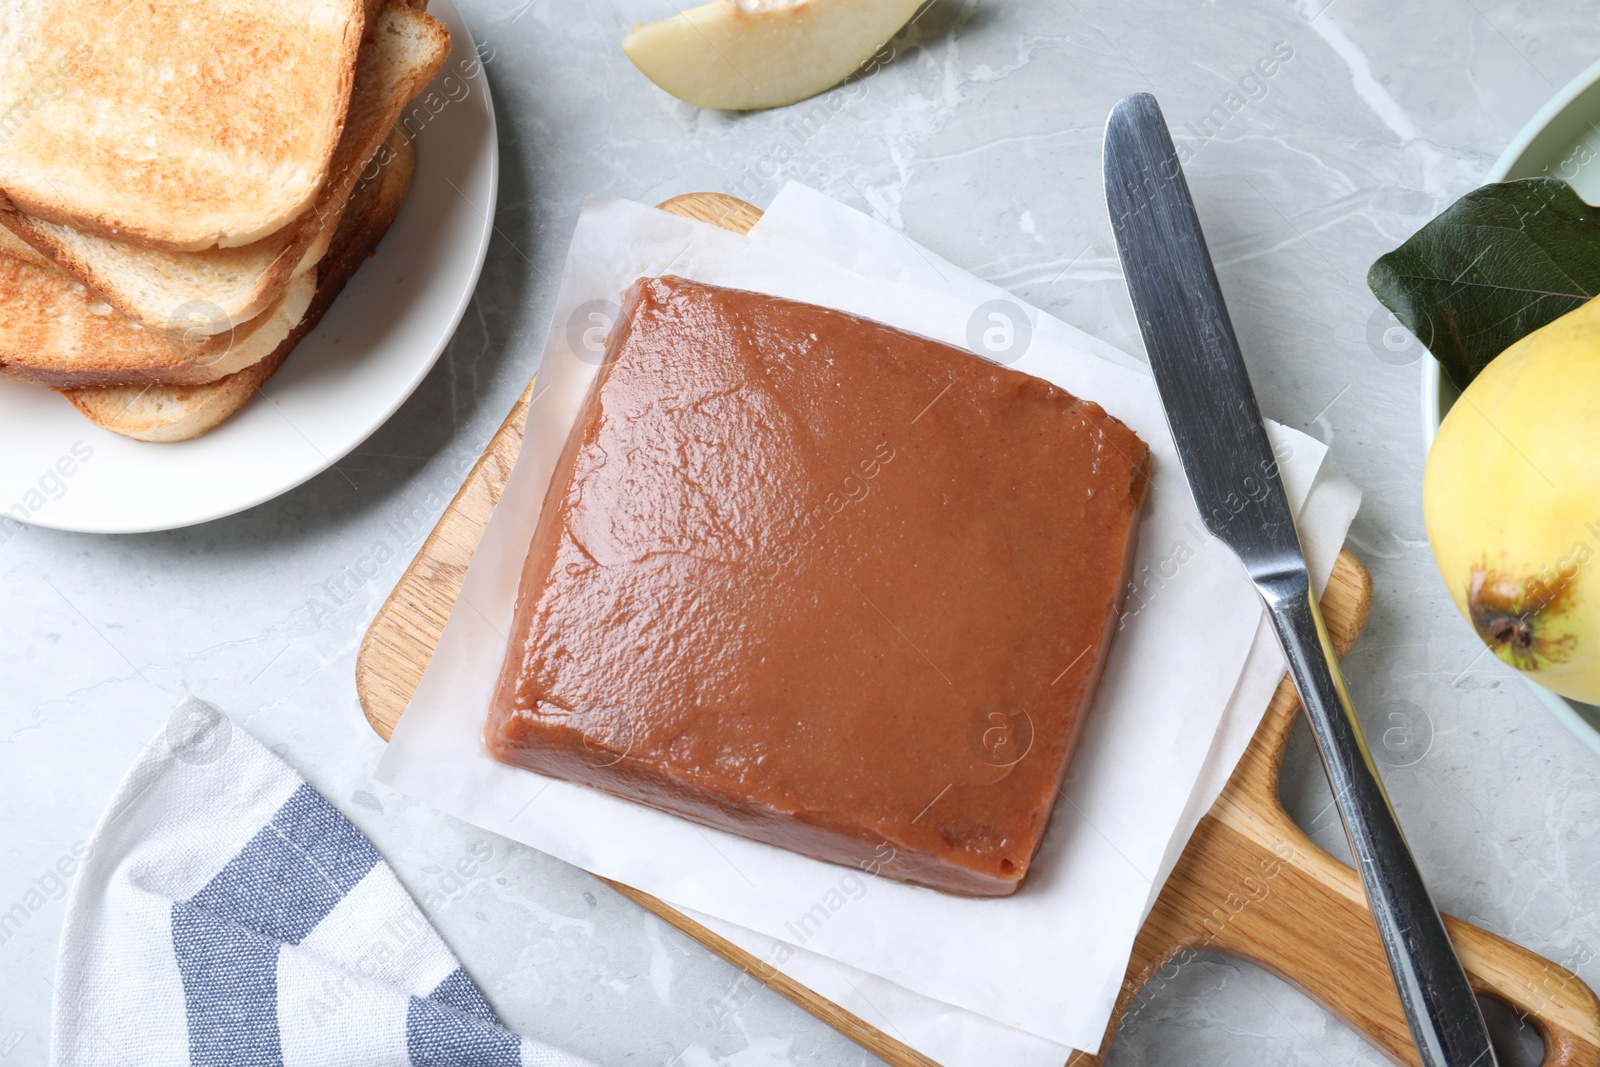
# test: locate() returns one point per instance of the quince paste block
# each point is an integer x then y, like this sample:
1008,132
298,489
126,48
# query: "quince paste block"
819,582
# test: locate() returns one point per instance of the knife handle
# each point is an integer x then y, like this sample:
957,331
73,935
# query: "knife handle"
1439,1004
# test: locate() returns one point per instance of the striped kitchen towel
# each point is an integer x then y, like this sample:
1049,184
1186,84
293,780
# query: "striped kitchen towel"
227,914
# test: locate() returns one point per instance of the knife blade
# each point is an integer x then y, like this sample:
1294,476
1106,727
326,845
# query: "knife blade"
1228,461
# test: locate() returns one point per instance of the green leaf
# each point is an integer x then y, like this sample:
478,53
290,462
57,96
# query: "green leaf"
1498,264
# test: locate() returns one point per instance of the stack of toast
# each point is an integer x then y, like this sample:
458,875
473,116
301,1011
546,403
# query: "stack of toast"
185,189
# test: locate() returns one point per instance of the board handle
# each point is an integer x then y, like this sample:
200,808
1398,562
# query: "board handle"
1299,913
1251,885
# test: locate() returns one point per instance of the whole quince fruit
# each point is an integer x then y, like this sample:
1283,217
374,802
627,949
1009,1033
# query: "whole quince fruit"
1512,501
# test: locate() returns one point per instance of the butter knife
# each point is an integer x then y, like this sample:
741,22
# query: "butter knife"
1228,460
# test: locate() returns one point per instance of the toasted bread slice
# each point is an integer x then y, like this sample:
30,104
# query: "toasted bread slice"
13,246
178,413
178,125
166,413
55,332
197,293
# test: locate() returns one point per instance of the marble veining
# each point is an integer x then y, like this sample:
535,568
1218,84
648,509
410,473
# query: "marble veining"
977,133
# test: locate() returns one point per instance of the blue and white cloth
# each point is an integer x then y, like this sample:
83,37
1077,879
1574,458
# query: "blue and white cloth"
228,916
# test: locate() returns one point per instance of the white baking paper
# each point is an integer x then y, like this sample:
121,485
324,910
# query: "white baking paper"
1048,960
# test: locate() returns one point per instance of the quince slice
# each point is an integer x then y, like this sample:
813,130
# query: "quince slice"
740,55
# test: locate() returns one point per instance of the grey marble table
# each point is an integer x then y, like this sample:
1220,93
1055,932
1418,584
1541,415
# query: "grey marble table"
980,139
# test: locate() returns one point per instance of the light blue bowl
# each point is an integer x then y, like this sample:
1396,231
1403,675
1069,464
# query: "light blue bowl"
1555,142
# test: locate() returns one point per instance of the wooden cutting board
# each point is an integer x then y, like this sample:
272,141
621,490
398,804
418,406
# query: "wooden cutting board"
1249,884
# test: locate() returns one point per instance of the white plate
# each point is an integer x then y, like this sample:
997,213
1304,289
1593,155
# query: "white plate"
1562,141
371,350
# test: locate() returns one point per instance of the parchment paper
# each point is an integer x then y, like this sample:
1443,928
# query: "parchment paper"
1048,960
